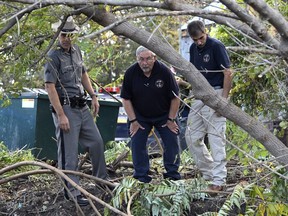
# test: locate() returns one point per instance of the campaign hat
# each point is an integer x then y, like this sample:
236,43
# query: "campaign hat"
69,28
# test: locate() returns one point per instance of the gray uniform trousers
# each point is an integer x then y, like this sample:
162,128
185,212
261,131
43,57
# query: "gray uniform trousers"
203,120
83,131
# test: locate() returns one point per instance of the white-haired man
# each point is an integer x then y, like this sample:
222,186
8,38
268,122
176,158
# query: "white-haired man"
148,94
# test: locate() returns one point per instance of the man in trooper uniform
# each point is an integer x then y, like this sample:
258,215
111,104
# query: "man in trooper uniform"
148,94
66,79
210,57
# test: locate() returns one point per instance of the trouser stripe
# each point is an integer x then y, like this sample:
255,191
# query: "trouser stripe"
63,159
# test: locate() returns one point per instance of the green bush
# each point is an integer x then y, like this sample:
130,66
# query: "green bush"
11,157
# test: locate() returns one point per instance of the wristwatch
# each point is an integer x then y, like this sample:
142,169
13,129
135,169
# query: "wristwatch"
131,121
172,119
94,94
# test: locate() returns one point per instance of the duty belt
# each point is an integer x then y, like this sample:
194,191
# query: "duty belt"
74,102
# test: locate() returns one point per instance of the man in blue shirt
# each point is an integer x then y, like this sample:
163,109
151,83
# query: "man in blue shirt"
149,93
210,57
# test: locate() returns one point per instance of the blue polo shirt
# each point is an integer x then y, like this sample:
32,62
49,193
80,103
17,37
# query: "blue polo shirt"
150,96
210,58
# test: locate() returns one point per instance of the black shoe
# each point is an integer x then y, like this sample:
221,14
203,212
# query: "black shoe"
173,178
144,179
82,201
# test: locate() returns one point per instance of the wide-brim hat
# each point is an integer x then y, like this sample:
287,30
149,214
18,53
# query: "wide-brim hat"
69,28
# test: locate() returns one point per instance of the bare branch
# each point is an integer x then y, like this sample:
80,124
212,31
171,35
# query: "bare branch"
271,15
227,21
47,171
251,21
255,50
53,39
197,12
130,202
181,8
201,88
62,175
250,26
25,10
93,2
13,21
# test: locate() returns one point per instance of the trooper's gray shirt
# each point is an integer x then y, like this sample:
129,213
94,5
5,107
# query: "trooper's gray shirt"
65,70
67,67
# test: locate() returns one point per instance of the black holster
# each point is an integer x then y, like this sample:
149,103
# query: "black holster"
77,102
74,102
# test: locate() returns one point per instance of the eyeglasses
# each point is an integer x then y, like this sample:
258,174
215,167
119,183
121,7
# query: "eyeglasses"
149,59
63,35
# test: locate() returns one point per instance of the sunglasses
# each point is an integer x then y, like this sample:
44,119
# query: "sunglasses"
64,35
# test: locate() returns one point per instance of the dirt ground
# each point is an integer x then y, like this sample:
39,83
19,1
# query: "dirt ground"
32,196
36,196
26,197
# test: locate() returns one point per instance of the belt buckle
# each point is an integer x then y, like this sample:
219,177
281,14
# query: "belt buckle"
217,87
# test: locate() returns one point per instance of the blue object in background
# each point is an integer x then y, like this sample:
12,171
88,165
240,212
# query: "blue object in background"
27,124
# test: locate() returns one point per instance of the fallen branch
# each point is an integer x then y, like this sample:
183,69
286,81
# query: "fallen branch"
61,174
126,164
130,202
47,171
117,161
82,160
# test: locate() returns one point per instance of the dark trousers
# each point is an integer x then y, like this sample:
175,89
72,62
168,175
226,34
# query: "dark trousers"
140,154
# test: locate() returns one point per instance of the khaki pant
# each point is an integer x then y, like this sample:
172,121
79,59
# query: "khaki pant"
203,120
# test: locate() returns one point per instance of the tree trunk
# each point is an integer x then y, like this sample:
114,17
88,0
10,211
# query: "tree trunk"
201,88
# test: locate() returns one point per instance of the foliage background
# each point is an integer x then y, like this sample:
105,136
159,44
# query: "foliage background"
260,82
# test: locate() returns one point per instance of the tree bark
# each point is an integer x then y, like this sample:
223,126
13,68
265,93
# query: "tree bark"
201,88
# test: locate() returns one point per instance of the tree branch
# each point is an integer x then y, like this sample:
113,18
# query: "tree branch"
227,21
130,202
201,88
11,23
197,12
271,15
62,175
255,50
94,2
52,41
251,21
